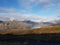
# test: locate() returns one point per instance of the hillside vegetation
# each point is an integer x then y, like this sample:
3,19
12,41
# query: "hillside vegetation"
44,29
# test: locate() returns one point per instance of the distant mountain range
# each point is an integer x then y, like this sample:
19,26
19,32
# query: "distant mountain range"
1,21
33,24
55,22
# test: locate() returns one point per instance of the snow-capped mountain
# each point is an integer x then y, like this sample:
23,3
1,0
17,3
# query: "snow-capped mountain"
33,24
57,21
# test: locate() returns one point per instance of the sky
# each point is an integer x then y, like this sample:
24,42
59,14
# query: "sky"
35,10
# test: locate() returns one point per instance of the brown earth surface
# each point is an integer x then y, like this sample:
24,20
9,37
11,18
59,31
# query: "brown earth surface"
44,29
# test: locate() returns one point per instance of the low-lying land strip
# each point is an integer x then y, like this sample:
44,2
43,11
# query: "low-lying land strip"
46,29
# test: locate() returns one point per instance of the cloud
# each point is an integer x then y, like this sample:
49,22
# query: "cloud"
44,1
6,16
45,4
8,10
57,12
28,5
21,17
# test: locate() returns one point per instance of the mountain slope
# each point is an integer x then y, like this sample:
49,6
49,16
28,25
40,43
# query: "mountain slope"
45,29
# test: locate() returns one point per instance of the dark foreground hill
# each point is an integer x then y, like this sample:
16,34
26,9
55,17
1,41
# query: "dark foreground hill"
30,39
